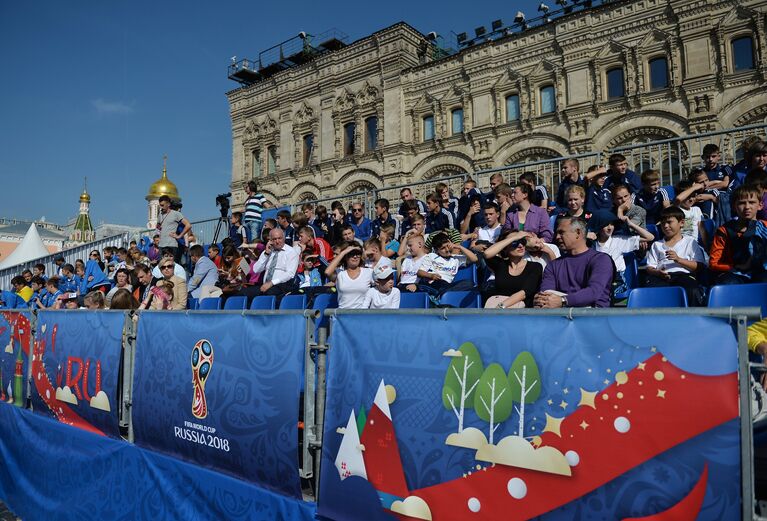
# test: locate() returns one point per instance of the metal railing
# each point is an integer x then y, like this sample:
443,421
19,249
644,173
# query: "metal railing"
203,230
675,157
78,252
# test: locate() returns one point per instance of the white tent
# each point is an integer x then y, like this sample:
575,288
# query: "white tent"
31,247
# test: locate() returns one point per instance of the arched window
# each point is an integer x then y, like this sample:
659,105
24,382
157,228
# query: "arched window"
308,149
512,108
271,152
743,53
256,160
615,85
371,134
457,121
548,99
349,130
658,73
428,128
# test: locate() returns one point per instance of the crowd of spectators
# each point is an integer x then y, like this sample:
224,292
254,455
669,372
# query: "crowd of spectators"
530,250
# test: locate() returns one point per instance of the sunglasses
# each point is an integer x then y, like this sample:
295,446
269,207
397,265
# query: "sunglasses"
166,266
517,243
356,209
355,253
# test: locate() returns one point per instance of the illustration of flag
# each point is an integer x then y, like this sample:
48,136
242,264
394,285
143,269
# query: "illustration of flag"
349,460
382,459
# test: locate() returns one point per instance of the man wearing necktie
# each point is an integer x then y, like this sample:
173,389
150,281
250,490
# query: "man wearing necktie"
279,264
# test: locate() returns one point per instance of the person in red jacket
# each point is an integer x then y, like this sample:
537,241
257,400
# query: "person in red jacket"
739,249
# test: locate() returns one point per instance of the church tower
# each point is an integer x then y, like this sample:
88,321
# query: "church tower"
162,186
83,229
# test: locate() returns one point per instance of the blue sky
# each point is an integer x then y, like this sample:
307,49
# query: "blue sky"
105,89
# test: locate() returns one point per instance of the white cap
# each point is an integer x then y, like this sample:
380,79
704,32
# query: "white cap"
382,272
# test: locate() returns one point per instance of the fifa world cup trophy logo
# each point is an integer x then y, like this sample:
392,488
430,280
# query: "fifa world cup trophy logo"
202,360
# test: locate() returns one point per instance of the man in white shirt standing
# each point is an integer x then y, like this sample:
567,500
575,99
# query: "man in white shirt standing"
279,264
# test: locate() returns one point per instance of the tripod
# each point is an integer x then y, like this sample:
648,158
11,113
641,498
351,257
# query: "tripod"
223,223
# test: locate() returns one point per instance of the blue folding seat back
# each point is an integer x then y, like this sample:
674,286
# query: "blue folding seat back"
670,191
739,295
467,273
236,302
630,276
293,302
210,303
553,222
461,299
653,229
263,302
417,300
671,297
322,302
192,303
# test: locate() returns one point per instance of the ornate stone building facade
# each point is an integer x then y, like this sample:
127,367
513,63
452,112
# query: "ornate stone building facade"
381,111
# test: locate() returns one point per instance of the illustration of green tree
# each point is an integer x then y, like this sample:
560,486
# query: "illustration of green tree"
492,401
524,382
461,381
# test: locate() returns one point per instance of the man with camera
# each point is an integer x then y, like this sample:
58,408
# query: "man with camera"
167,224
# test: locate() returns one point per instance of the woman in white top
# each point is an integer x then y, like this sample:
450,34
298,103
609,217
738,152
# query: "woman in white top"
354,280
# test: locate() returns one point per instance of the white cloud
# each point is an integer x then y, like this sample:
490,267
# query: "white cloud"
103,106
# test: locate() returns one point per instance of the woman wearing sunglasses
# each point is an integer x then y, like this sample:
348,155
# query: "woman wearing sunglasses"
516,279
353,280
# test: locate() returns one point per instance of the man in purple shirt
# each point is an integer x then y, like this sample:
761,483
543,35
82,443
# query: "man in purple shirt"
582,278
536,219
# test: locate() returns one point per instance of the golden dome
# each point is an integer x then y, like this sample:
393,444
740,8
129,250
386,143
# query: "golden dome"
84,197
163,186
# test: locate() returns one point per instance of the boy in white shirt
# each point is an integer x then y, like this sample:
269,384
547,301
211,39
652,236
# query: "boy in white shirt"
409,266
676,259
383,295
439,269
603,223
373,252
686,196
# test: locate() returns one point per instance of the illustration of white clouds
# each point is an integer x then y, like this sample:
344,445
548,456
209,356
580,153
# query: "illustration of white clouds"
9,347
65,395
452,352
43,328
100,401
515,451
470,438
413,506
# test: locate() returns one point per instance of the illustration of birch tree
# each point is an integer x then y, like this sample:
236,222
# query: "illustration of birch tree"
492,401
461,381
524,382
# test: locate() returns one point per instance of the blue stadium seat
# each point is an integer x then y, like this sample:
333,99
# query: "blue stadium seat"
192,303
671,297
461,299
630,276
322,302
237,302
417,300
293,302
210,303
653,229
739,295
710,227
467,273
670,191
263,302
553,222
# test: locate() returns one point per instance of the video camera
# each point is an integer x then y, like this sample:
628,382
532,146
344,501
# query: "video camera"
222,201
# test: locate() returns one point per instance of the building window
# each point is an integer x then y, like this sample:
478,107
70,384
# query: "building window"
371,134
428,128
743,53
256,160
548,100
658,73
457,120
350,129
271,152
512,108
615,88
308,149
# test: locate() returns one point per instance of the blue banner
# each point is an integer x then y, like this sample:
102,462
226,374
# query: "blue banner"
76,367
52,471
222,391
15,340
519,417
